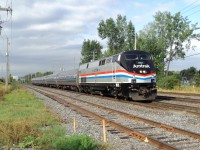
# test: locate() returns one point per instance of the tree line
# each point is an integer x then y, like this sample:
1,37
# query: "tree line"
185,77
167,37
27,78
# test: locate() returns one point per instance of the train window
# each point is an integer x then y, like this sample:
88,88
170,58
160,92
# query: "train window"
102,62
131,57
83,79
108,60
115,58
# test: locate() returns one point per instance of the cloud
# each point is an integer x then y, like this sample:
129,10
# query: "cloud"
48,34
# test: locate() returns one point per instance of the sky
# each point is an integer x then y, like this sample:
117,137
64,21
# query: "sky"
46,35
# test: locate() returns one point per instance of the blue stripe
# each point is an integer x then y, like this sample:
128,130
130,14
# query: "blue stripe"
118,76
144,78
110,76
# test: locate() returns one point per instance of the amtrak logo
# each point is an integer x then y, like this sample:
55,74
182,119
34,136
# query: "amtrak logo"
141,66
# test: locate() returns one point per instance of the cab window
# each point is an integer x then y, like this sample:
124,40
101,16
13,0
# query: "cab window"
144,57
131,57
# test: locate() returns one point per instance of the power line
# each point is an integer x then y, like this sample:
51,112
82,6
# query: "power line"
191,9
189,5
187,56
6,3
193,13
192,55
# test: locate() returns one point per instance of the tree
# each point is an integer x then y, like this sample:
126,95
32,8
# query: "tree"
196,80
190,71
109,30
130,44
91,50
192,75
177,34
120,35
150,40
10,78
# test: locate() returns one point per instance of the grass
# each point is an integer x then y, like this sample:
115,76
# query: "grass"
1,89
183,89
55,138
26,122
22,115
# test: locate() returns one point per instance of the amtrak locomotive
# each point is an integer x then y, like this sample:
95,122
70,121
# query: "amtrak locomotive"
129,74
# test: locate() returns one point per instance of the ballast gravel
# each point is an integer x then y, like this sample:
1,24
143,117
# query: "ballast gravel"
120,141
85,125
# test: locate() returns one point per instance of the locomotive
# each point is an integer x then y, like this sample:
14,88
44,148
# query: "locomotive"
129,74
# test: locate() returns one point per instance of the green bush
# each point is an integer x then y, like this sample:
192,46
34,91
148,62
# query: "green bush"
49,136
78,142
168,82
195,80
55,138
14,86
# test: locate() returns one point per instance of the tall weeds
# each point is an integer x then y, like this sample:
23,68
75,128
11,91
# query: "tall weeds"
11,132
22,115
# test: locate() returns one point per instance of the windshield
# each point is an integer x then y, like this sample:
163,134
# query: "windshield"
137,57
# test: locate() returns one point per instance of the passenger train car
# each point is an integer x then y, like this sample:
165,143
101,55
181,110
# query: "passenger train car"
129,74
64,79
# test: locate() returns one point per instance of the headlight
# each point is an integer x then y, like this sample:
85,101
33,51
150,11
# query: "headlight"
144,71
140,71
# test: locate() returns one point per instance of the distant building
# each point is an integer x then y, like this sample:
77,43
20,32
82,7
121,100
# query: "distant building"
16,78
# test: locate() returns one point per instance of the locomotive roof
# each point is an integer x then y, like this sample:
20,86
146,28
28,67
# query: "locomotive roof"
125,52
96,62
135,52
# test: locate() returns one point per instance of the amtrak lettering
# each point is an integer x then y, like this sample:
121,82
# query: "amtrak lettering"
141,66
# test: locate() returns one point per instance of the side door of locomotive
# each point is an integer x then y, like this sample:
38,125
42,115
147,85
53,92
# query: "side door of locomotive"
114,68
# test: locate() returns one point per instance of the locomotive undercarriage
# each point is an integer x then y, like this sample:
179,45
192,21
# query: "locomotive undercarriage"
137,92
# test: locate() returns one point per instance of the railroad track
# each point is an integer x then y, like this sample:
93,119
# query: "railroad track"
160,105
146,130
180,94
170,98
189,109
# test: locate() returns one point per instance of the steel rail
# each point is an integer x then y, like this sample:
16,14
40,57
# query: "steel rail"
176,106
187,100
169,98
130,132
181,94
148,105
154,123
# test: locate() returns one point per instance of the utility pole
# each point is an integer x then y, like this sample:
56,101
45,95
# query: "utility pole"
93,56
0,27
135,42
6,9
7,53
7,67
